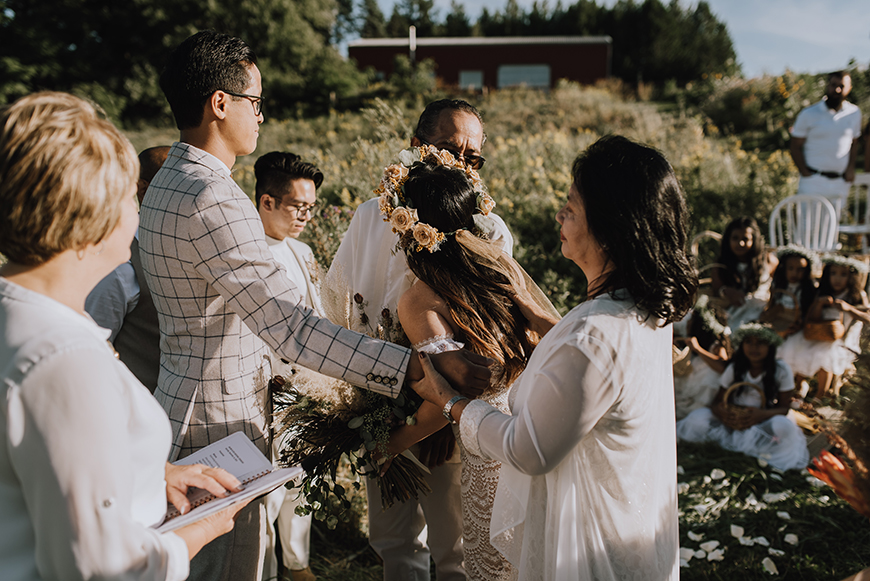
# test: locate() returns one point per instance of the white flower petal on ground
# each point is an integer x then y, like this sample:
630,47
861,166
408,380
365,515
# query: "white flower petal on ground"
776,496
700,554
751,499
680,470
824,498
775,552
775,476
769,566
693,536
716,555
761,541
682,487
684,563
701,508
783,515
710,546
762,462
686,553
717,474
707,480
736,531
791,539
746,541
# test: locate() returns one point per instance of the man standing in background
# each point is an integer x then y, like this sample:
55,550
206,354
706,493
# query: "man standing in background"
824,143
122,303
286,197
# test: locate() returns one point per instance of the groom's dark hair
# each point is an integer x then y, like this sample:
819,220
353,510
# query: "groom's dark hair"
206,62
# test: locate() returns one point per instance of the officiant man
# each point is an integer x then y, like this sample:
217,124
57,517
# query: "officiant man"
221,298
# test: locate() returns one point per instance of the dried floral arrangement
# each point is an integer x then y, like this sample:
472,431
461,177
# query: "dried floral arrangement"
319,420
847,472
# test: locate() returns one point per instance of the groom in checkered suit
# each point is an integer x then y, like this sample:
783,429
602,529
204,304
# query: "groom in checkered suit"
221,298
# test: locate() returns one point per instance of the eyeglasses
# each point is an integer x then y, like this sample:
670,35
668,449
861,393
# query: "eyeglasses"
302,209
473,161
256,101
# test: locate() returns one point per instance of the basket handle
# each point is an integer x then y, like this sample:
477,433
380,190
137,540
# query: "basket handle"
735,386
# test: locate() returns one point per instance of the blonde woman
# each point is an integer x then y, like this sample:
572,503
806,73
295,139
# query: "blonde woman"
83,472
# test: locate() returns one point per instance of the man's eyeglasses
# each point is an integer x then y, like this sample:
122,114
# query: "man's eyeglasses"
473,161
302,209
255,100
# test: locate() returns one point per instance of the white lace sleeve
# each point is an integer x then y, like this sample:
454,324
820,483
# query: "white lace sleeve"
439,344
472,416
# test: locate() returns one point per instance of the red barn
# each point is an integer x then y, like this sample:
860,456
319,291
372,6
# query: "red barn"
495,62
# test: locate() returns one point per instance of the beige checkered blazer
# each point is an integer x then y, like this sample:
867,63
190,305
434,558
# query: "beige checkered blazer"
222,301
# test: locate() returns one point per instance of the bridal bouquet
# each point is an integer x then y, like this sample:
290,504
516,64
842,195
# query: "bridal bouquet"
320,420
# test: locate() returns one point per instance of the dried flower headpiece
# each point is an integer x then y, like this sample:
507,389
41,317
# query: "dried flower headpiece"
811,257
402,216
763,332
851,263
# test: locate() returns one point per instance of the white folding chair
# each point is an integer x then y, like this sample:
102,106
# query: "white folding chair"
807,220
857,215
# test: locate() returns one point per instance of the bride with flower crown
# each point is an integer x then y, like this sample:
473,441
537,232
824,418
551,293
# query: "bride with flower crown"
462,297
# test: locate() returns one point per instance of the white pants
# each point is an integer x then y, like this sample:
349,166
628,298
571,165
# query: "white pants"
835,189
407,533
294,530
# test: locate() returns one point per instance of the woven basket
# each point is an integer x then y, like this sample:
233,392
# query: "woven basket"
778,316
734,416
828,331
682,359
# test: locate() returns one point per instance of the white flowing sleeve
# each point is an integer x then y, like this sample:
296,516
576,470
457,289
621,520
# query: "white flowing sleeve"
571,393
69,446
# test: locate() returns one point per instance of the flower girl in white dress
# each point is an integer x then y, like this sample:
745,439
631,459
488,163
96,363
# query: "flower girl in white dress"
765,431
839,298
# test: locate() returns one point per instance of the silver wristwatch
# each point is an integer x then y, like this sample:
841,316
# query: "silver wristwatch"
449,406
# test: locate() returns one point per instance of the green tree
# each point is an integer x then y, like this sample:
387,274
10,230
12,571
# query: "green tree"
456,23
113,53
372,23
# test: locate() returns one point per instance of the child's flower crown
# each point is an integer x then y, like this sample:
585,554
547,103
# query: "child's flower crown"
402,216
811,257
708,318
851,263
762,331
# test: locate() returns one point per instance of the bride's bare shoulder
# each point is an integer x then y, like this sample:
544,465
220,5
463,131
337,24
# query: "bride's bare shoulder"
420,297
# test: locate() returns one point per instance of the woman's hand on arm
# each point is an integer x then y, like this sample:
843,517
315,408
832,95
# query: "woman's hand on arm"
540,321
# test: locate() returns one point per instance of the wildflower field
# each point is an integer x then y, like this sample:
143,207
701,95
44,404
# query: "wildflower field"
738,519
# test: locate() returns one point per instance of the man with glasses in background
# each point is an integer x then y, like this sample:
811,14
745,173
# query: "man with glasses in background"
408,533
286,198
223,303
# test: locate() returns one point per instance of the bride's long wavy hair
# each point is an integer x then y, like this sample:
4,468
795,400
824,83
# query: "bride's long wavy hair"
468,272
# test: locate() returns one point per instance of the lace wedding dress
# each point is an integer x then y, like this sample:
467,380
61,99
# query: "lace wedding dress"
482,562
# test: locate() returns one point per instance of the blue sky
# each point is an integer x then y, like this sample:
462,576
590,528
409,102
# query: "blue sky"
769,35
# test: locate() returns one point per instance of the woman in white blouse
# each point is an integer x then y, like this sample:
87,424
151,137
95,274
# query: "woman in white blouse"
588,481
83,471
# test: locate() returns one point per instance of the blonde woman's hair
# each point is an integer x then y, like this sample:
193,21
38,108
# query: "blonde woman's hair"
64,173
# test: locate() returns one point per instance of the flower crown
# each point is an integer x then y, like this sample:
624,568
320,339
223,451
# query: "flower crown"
811,257
708,317
851,263
763,332
402,216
